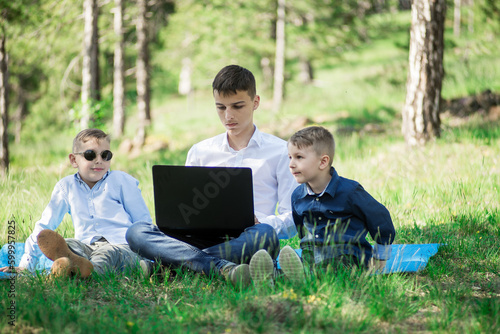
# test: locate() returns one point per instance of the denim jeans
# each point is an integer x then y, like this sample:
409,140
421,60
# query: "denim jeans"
149,241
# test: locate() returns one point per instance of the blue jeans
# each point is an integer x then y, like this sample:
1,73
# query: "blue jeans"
149,241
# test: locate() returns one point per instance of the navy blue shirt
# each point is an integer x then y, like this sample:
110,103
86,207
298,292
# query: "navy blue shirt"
336,222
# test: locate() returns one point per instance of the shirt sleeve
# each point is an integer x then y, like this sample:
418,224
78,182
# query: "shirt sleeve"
283,221
192,157
133,202
297,219
377,219
51,218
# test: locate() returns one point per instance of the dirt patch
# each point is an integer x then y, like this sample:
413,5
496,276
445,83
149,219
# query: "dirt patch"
486,104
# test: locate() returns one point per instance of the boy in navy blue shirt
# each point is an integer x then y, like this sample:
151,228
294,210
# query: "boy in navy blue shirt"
333,214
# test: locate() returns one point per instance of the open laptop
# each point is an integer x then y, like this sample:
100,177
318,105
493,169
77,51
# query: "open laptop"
203,203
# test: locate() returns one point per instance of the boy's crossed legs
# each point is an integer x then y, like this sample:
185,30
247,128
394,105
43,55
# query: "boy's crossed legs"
73,257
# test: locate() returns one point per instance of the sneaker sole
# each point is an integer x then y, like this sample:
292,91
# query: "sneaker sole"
240,276
292,265
262,268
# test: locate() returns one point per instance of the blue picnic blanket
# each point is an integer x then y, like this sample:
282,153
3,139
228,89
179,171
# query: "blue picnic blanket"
408,258
404,258
43,262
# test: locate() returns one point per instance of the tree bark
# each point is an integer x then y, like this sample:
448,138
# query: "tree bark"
90,66
306,74
457,17
96,77
185,77
267,74
421,120
119,72
4,105
142,74
470,18
20,114
279,62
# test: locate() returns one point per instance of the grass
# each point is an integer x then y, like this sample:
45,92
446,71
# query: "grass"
446,192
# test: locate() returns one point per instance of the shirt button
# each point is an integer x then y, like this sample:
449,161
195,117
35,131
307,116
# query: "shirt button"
319,218
317,236
317,199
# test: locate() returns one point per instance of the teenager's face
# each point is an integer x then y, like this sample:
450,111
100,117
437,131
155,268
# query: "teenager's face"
91,171
304,163
236,111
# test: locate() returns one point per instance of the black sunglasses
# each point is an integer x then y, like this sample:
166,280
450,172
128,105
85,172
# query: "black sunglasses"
90,155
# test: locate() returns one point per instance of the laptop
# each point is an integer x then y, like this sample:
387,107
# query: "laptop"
203,205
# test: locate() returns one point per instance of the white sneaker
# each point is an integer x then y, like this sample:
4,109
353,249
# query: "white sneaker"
146,267
292,266
237,274
262,268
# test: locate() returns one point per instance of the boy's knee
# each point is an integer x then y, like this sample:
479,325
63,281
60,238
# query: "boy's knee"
265,229
267,235
269,232
133,234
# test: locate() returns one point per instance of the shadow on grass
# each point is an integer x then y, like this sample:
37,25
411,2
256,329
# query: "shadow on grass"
477,129
380,115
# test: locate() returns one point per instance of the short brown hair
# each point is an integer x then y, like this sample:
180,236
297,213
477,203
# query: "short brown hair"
89,134
318,137
233,78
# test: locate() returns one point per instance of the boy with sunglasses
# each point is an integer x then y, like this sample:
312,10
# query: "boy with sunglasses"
103,204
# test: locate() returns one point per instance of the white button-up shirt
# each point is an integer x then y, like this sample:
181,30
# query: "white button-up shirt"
107,210
273,183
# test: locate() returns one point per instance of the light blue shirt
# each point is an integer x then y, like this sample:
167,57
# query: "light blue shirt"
107,210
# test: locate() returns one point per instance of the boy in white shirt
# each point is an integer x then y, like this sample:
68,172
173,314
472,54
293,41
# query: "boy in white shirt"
242,145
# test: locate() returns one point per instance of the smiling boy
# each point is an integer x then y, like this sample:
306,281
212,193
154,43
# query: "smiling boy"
103,204
333,214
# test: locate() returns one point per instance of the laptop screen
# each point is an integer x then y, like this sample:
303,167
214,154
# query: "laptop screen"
198,200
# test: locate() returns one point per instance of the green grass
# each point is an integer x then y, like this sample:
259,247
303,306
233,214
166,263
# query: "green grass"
446,192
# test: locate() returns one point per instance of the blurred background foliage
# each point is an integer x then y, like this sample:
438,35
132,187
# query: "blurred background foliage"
330,44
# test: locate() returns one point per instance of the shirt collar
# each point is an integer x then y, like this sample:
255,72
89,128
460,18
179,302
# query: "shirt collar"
330,188
79,179
255,140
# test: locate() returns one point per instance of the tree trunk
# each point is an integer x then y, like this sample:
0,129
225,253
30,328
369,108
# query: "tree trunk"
142,73
90,66
95,83
119,73
404,4
20,114
267,74
421,120
470,21
185,77
4,104
279,62
306,75
457,17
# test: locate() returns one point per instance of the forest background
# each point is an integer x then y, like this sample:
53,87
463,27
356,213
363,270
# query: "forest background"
346,68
